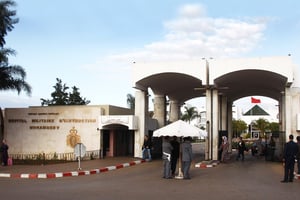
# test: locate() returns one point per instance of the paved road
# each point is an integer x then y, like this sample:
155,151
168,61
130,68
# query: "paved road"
251,179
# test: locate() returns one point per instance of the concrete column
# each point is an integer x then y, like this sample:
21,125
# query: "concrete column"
287,121
223,114
101,155
160,110
215,124
208,151
141,110
281,119
229,124
212,114
174,110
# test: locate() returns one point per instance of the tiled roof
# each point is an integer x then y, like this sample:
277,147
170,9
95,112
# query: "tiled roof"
256,110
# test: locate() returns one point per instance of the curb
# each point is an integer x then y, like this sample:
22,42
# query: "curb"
213,163
71,173
207,164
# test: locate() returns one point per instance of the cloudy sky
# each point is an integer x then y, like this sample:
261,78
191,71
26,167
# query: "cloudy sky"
91,44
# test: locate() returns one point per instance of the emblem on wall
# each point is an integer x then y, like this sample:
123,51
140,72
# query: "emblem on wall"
73,138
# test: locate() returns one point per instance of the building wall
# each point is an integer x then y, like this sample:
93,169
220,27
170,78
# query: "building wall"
52,129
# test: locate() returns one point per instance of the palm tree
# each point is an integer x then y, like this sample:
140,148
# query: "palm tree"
130,101
7,19
189,114
12,77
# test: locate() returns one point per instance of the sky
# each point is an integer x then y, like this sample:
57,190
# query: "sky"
92,44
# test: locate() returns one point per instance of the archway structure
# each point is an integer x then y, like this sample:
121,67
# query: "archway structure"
222,81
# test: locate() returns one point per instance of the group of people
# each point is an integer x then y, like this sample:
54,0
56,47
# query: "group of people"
171,153
290,153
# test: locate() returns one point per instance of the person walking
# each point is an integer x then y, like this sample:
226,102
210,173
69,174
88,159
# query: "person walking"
272,146
4,152
224,149
174,155
167,151
289,155
187,157
298,155
146,149
241,148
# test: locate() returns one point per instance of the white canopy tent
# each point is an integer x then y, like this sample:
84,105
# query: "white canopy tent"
180,129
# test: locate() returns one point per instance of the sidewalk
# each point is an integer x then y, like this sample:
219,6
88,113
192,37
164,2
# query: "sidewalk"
72,168
68,169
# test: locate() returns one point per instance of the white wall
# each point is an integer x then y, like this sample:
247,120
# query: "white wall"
46,129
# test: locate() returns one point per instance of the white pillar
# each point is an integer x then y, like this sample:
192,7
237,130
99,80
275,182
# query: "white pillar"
174,110
224,113
141,110
208,155
229,124
287,121
160,109
215,124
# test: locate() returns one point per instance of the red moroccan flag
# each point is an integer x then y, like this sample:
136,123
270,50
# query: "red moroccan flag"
253,100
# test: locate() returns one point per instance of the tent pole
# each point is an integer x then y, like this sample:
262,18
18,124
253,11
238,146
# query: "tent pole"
180,174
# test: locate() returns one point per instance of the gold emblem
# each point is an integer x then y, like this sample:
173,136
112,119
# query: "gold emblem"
73,138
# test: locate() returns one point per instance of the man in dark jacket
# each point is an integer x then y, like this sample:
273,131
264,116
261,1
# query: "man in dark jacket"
147,148
289,155
175,154
298,154
241,148
4,152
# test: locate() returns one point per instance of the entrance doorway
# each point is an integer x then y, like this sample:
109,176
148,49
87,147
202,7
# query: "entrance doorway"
118,141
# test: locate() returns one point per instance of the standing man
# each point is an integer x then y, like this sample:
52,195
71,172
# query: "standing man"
147,148
241,149
289,155
175,154
4,152
167,151
187,157
298,154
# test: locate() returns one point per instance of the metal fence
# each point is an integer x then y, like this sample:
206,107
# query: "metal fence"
89,155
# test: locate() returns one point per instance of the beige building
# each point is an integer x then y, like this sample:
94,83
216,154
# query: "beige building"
105,130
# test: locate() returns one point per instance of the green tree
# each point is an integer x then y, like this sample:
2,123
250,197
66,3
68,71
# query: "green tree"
262,125
61,96
274,127
131,101
76,99
238,127
12,77
189,114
